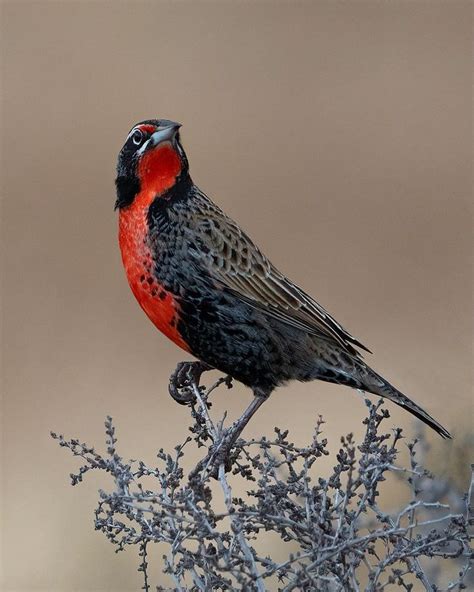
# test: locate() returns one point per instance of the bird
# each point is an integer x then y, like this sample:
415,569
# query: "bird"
208,287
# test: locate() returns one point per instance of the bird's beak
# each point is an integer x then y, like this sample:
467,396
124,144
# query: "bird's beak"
164,133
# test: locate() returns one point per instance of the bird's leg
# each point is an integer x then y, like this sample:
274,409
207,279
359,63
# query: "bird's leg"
183,378
220,454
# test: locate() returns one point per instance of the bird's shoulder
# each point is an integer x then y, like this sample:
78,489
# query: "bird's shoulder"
228,247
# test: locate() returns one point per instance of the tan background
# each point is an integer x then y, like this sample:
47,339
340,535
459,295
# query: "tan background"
339,135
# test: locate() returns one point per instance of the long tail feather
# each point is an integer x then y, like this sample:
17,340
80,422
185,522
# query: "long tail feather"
376,384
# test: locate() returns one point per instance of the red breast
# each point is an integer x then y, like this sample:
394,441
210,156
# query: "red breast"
157,172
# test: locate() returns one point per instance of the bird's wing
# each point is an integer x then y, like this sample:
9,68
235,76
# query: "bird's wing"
238,265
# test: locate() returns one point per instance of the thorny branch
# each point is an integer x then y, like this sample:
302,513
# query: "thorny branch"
337,536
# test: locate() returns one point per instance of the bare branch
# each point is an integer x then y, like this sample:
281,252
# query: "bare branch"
341,538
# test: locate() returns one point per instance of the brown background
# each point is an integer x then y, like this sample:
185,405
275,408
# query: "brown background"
338,135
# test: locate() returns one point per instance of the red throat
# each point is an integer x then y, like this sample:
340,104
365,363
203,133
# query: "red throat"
158,169
157,172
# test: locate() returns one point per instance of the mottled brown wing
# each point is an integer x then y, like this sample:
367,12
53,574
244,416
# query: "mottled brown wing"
239,266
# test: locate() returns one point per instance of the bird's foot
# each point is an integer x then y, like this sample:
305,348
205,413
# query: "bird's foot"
184,378
222,452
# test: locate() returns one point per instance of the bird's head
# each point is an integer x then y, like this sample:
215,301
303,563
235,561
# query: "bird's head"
150,160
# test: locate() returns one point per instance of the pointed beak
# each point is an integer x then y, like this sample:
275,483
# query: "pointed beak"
164,133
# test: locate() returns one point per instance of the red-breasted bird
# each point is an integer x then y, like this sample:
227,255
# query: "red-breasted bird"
206,285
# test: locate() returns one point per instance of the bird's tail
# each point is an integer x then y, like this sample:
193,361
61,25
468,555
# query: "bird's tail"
376,384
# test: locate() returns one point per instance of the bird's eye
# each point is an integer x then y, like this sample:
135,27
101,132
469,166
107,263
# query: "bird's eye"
137,137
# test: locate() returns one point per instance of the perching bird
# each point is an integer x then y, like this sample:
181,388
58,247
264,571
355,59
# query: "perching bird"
206,285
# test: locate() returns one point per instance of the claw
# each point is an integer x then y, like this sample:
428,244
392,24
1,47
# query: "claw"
182,380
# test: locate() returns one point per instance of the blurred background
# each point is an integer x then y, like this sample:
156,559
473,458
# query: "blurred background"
337,134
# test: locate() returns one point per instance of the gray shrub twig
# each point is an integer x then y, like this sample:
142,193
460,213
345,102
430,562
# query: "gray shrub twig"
332,527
